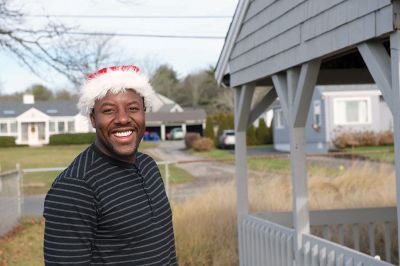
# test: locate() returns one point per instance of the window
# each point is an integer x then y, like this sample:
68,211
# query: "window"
52,126
3,128
42,131
279,118
14,127
352,111
61,126
316,115
71,126
9,112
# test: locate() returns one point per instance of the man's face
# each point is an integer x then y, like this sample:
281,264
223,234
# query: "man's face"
119,120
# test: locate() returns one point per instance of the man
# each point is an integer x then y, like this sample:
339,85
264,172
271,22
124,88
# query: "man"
109,207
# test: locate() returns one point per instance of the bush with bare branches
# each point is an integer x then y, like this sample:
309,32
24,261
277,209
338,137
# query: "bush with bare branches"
363,138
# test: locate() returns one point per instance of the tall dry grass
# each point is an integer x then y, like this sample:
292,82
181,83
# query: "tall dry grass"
362,185
205,226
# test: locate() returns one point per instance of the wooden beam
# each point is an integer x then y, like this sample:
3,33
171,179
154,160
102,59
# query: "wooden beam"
242,197
305,88
301,215
243,106
280,84
262,105
292,77
379,65
395,101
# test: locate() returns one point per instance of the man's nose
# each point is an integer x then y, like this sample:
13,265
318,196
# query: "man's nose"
122,117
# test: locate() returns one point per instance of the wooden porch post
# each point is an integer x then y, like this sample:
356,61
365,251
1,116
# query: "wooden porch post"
385,70
395,63
243,97
295,89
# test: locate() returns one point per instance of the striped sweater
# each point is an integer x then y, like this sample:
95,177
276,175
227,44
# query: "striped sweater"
101,211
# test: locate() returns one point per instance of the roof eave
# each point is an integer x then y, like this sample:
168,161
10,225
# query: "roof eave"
222,67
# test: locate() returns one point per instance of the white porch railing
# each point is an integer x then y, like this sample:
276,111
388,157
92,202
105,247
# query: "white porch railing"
321,252
267,238
265,243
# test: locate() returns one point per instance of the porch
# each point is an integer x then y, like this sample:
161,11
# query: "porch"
286,48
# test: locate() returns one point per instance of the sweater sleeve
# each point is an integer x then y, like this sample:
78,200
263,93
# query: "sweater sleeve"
70,223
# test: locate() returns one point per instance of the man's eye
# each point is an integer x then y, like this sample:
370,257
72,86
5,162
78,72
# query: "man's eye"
107,111
134,108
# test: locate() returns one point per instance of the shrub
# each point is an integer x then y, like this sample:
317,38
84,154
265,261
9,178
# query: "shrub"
77,138
209,130
251,137
385,138
6,141
203,144
264,133
363,138
190,138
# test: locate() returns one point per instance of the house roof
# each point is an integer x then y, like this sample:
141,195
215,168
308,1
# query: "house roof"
9,109
186,115
347,88
167,107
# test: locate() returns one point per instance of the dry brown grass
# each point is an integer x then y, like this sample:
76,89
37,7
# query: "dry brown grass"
360,186
205,226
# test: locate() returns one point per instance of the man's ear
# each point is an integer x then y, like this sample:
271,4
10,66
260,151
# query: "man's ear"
93,119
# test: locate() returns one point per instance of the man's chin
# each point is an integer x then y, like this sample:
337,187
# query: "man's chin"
125,151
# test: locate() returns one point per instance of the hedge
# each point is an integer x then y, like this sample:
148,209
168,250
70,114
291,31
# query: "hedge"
77,138
6,141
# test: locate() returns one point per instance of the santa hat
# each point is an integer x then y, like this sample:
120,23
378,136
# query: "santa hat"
114,79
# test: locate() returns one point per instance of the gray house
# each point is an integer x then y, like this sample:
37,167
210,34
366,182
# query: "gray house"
335,109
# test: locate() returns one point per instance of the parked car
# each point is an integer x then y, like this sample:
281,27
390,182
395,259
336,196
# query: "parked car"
176,133
227,139
151,136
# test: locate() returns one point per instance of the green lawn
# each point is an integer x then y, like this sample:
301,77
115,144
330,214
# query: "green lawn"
59,156
266,163
380,153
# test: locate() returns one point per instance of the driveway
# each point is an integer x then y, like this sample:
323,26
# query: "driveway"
206,173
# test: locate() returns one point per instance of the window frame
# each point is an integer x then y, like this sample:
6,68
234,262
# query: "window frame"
336,118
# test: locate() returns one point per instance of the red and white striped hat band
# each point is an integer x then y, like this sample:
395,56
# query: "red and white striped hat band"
114,79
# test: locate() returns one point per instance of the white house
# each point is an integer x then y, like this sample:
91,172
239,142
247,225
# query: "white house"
33,122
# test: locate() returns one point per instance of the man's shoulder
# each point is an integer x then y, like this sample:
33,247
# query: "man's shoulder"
144,160
81,166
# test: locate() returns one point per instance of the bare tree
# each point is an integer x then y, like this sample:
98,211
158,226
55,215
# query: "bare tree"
51,46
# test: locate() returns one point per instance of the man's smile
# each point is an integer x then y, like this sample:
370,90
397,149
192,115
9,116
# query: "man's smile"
123,133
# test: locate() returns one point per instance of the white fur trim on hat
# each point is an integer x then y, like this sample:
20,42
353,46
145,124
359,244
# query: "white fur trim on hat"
114,81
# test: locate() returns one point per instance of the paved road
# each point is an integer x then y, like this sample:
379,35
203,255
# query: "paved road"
206,173
33,206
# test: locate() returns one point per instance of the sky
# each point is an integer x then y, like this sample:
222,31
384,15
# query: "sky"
183,55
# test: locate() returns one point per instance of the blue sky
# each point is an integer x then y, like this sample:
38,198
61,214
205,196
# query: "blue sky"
184,55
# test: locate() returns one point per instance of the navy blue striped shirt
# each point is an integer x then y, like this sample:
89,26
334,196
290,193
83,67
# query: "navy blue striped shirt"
101,211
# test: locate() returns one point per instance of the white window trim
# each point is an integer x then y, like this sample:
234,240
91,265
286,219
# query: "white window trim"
279,123
369,110
315,113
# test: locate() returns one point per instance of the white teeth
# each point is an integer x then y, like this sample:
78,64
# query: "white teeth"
123,133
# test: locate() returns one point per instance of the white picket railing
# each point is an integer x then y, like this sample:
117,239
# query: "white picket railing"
320,252
267,238
265,243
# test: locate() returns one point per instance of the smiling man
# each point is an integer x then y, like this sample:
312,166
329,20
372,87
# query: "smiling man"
109,207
